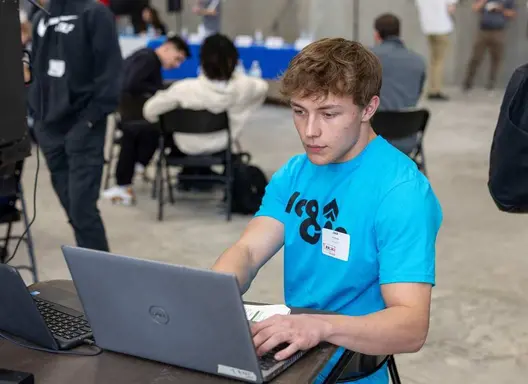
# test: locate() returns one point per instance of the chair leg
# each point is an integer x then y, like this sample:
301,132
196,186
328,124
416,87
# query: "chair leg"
8,236
29,238
159,187
229,186
110,160
393,370
106,184
170,187
422,164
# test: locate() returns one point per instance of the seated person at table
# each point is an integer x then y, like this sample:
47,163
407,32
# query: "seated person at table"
217,89
403,73
357,219
152,21
142,77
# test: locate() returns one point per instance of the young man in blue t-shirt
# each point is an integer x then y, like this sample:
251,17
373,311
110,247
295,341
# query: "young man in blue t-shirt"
357,220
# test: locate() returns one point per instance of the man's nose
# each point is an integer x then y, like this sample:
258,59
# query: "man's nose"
312,128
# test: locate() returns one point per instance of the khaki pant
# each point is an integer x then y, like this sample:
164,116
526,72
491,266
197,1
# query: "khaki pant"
486,40
438,45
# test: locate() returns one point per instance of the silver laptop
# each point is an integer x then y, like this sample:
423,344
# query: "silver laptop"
182,316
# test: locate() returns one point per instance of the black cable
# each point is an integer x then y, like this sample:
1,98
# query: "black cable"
97,350
36,172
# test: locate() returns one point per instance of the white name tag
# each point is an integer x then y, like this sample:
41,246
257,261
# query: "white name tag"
336,244
56,68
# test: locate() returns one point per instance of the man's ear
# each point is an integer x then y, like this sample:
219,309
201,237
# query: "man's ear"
370,109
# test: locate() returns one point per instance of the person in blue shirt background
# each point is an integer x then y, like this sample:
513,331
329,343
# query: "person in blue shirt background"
357,220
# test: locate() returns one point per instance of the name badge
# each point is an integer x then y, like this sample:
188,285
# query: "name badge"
336,244
56,68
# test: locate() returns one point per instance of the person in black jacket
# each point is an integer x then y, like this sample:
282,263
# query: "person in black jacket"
142,78
508,173
76,65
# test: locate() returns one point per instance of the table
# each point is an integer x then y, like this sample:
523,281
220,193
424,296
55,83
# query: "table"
130,44
116,368
273,61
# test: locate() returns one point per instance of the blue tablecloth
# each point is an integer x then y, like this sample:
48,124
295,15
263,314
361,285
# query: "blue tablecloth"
273,61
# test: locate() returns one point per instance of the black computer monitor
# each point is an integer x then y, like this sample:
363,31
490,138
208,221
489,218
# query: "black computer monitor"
14,138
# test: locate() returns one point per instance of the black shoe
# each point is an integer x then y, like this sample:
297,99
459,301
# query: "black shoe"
466,88
438,97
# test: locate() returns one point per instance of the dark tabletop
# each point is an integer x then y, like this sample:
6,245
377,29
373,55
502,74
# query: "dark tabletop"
116,368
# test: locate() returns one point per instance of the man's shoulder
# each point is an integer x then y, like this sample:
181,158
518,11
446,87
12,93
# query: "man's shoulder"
392,167
415,57
140,54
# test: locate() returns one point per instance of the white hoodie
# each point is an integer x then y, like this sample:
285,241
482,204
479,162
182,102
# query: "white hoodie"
239,96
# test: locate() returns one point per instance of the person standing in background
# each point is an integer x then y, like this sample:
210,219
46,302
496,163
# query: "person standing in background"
437,24
494,16
210,10
77,65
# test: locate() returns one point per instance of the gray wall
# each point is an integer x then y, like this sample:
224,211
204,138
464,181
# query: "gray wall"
336,18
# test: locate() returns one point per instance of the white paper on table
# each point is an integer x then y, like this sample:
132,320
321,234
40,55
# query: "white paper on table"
258,313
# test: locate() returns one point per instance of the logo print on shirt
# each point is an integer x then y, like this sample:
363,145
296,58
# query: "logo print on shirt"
310,230
59,22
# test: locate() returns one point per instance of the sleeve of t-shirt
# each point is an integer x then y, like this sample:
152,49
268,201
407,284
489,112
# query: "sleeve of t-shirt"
406,225
276,197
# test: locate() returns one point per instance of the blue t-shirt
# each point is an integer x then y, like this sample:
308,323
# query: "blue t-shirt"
378,202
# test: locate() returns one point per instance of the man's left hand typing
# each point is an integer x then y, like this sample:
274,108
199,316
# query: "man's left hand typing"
301,332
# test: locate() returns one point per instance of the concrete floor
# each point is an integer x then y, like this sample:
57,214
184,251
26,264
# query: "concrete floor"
479,331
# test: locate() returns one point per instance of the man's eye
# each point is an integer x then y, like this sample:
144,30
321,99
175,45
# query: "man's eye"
298,111
329,115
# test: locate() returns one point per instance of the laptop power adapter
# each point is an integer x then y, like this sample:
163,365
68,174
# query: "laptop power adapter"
16,377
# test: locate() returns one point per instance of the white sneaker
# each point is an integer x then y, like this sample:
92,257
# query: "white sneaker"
123,195
139,169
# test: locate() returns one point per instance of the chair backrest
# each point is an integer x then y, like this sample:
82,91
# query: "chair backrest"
194,121
400,124
131,107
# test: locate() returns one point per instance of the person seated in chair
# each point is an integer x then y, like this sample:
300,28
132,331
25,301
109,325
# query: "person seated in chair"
217,89
141,79
356,218
403,75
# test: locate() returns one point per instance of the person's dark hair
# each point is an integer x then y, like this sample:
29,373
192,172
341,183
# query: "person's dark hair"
218,57
180,44
387,25
156,21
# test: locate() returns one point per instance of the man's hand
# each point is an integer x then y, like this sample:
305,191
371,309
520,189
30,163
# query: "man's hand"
197,9
301,332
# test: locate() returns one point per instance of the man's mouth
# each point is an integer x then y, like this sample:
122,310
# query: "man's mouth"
314,148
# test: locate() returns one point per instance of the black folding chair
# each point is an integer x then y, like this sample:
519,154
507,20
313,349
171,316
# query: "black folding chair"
130,112
356,366
394,125
11,193
194,122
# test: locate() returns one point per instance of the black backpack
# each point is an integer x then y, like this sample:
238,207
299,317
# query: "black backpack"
508,172
249,185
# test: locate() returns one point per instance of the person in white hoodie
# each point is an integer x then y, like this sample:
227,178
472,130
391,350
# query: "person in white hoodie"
218,88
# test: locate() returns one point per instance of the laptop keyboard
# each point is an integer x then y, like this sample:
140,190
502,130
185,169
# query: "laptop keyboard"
63,325
268,361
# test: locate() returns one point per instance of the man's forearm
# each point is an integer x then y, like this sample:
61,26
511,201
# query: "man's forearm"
390,331
207,12
509,13
236,260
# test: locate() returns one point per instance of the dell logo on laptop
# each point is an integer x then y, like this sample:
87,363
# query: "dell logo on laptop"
159,315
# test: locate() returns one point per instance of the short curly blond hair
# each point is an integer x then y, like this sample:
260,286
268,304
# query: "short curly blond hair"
333,66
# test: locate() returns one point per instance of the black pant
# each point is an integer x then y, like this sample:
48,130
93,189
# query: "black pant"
75,158
138,144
